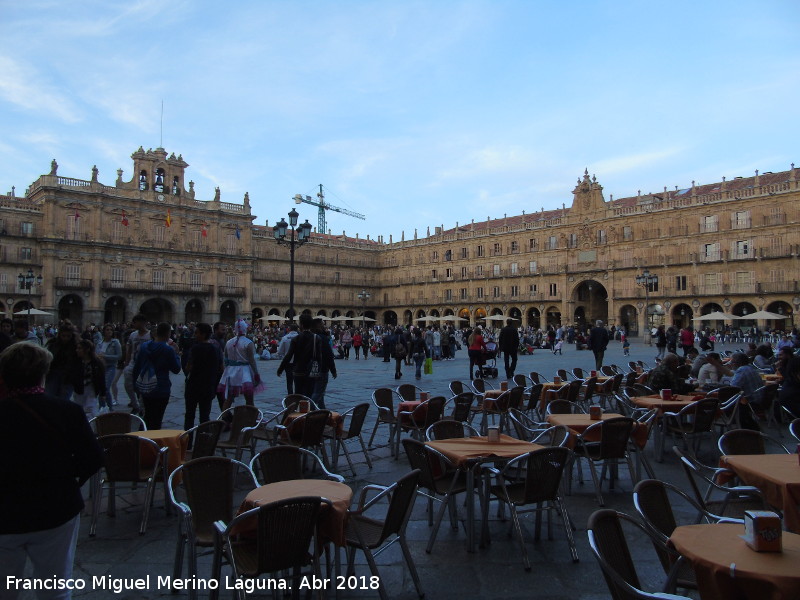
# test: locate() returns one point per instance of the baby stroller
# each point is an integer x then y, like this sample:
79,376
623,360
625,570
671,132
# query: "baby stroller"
489,366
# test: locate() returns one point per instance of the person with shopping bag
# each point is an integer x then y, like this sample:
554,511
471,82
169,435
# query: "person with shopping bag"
419,352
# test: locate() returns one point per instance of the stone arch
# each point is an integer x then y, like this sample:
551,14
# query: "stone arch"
158,310
70,307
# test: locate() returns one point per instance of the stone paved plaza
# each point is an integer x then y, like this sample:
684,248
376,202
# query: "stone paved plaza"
449,572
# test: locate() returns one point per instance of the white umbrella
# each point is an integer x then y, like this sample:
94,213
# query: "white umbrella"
33,312
496,318
453,318
764,315
342,318
366,319
715,316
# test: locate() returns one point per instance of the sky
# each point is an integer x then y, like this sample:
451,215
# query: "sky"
415,113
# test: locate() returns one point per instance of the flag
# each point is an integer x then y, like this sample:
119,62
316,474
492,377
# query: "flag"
238,233
77,216
124,219
204,231
168,220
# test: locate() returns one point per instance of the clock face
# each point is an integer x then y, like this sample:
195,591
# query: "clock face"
160,197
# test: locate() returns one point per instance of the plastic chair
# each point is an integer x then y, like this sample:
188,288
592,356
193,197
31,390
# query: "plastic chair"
459,387
307,431
610,547
117,422
794,429
463,405
123,464
533,478
613,446
285,540
291,402
692,421
204,496
351,430
768,395
448,429
417,421
202,439
243,420
746,441
367,534
537,377
409,392
383,399
284,463
564,407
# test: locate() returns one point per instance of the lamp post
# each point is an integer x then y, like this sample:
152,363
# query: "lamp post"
647,281
280,235
26,283
363,295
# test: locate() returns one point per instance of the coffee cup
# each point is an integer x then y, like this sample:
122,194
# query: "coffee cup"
557,380
595,413
503,386
304,406
666,394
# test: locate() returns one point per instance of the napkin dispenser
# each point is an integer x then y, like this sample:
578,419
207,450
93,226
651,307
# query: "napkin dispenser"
595,413
493,434
762,531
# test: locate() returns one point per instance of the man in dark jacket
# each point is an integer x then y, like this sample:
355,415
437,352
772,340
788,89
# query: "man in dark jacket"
326,363
164,360
598,342
509,346
305,349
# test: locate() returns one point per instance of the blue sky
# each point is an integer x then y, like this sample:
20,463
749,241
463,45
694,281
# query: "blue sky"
415,113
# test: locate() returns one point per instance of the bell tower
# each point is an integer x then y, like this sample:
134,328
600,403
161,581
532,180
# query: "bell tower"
156,173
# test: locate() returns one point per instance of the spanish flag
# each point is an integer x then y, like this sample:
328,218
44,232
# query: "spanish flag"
168,220
124,219
204,231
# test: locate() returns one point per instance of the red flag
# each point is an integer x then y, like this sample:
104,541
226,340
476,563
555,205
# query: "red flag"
168,220
77,216
124,219
204,231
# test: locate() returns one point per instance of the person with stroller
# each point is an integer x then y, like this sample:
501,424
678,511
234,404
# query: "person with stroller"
476,350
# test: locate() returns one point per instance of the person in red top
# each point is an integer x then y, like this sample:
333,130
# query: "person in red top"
476,350
687,339
357,339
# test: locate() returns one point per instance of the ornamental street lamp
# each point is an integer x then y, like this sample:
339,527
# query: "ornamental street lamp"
648,282
303,233
26,283
363,295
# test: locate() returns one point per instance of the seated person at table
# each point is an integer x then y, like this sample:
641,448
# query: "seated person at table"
764,359
712,372
664,376
785,354
790,390
748,379
49,452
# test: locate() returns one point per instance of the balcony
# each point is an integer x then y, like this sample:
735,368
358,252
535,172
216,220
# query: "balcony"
141,286
72,283
231,291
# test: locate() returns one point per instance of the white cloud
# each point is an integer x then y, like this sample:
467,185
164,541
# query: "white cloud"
20,85
621,164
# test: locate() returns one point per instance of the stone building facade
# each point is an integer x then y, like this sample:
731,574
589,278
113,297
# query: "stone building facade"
147,244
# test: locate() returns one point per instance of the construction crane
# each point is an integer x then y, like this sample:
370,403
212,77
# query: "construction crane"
323,206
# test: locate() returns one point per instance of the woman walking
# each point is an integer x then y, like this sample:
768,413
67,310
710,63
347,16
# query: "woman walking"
89,380
109,350
241,373
476,349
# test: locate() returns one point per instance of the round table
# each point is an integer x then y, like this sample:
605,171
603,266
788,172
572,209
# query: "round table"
168,438
727,569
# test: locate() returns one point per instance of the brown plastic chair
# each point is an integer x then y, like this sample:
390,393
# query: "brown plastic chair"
367,534
693,421
351,430
284,463
122,463
417,421
311,427
244,420
383,399
463,405
291,402
448,429
409,392
746,441
202,439
534,478
613,446
205,495
286,540
112,423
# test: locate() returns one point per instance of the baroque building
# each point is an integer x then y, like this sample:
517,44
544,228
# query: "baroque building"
147,244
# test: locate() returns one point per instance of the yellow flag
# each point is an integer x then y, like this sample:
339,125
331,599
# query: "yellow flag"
169,219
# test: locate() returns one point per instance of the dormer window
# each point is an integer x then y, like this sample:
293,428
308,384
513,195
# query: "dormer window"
159,184
142,180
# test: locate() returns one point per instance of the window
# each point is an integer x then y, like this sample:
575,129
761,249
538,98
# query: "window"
463,293
627,233
533,288
709,224
479,292
479,271
572,240
73,227
448,294
532,267
711,251
337,277
231,281
433,274
554,289
496,292
680,282
117,231
514,291
743,280
741,249
197,238
26,228
514,268
464,253
158,279
25,253
741,219
533,244
195,279
73,273
117,276
448,255
496,270
230,243
498,248
601,236
158,233
464,272
435,255
552,243
515,247
711,282
449,273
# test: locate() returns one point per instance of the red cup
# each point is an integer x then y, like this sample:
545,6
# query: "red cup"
666,395
423,396
503,386
594,374
304,406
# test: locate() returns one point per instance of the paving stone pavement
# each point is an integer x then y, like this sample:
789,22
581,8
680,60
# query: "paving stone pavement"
449,571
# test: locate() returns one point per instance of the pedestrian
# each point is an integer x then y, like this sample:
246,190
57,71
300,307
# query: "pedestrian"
63,347
219,337
326,363
476,349
109,350
357,343
23,333
661,341
283,350
241,373
158,354
41,499
508,343
89,379
598,342
346,341
303,357
419,352
399,351
203,369
139,336
686,337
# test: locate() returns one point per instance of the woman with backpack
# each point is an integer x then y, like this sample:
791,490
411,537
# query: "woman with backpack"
155,360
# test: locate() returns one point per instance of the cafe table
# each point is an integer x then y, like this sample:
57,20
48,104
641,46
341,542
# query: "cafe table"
170,439
778,478
468,454
334,420
410,406
580,422
727,569
546,387
332,522
675,404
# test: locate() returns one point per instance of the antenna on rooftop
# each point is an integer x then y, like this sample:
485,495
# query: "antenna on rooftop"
161,141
